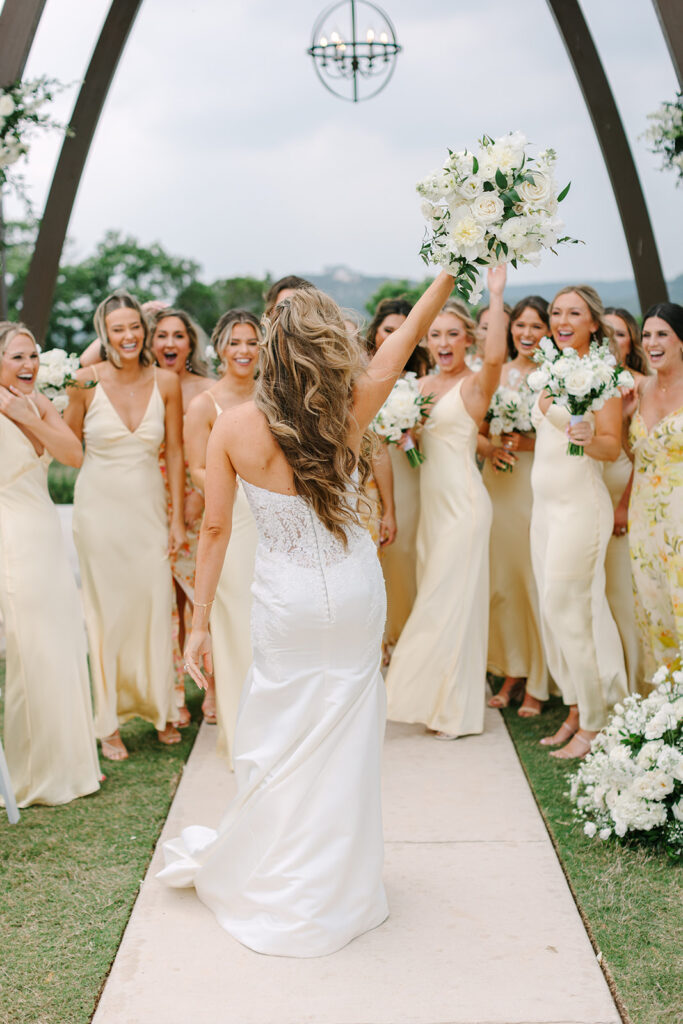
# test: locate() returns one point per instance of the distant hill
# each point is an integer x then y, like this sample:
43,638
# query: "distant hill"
352,289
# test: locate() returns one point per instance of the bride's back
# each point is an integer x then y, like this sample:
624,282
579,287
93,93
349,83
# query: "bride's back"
297,437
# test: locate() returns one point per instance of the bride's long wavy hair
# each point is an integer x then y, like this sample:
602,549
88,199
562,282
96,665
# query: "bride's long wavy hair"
308,368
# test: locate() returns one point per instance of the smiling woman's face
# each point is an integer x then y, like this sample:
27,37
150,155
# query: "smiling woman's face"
571,322
171,343
662,345
19,364
126,333
447,340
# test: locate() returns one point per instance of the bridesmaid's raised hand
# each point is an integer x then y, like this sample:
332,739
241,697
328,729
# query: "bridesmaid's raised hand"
496,278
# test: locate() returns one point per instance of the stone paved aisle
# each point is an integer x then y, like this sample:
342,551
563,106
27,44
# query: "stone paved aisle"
483,929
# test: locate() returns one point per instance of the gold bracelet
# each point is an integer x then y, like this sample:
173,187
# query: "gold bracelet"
198,604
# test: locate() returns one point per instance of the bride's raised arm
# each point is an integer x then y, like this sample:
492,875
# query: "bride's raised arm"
373,388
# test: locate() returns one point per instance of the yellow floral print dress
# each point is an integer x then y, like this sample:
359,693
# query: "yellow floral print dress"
656,537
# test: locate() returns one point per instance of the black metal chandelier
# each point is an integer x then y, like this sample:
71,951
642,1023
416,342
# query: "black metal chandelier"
354,49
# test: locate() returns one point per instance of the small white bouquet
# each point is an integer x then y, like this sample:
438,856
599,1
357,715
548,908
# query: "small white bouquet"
510,410
631,784
404,409
56,371
496,206
580,383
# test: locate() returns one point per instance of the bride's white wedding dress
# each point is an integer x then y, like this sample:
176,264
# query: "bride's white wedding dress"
295,868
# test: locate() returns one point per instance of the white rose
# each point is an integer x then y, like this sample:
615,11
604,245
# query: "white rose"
589,829
505,157
660,676
6,105
538,379
579,381
470,188
605,833
537,193
487,208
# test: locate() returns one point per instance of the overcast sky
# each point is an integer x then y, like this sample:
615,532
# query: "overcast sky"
218,141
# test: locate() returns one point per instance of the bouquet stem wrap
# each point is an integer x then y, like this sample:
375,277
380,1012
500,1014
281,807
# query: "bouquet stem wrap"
572,447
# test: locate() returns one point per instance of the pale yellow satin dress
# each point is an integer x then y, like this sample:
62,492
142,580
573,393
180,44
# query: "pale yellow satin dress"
121,532
571,524
48,731
231,621
515,641
399,559
620,579
437,675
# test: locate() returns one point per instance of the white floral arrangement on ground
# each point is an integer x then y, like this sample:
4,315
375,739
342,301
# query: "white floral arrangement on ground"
631,784
21,114
580,383
404,409
496,206
666,135
56,372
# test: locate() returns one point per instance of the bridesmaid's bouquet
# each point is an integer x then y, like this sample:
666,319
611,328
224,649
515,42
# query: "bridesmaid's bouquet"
631,784
510,410
403,410
56,372
581,383
496,206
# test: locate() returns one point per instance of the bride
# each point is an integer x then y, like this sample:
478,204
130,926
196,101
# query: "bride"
295,868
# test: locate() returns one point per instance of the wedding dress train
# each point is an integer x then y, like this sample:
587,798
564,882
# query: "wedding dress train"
295,866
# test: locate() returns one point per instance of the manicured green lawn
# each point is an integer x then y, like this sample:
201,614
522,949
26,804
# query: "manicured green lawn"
630,898
69,876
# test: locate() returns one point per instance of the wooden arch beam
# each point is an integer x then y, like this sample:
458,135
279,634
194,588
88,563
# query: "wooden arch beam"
18,25
670,14
616,151
42,274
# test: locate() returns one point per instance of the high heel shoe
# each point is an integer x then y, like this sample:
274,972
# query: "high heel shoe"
503,698
563,735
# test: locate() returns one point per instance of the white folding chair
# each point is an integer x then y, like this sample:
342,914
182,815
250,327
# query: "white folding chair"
6,790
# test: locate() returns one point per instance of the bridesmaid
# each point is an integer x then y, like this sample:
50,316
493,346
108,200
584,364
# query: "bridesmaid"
438,672
48,729
398,560
236,340
378,513
122,533
515,641
177,346
656,511
571,523
618,477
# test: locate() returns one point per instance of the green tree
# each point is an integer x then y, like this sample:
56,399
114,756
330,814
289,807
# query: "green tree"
241,293
117,262
201,302
402,289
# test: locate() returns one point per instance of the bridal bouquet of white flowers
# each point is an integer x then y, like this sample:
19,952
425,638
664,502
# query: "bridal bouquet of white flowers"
581,383
496,206
404,409
631,784
56,371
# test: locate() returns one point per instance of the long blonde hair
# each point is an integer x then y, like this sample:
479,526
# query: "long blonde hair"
308,368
